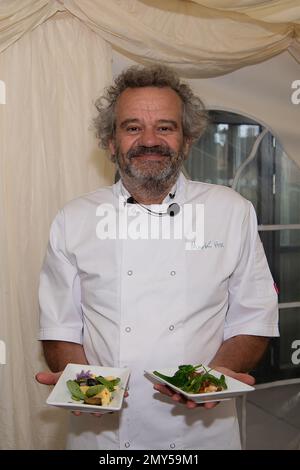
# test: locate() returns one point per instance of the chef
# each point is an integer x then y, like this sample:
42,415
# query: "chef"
128,281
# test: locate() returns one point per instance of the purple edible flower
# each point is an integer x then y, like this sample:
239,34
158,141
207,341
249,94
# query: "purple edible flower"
84,375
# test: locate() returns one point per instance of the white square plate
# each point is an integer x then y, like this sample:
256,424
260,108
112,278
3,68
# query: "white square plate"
60,395
235,387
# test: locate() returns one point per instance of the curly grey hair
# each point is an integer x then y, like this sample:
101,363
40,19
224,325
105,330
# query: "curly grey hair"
194,116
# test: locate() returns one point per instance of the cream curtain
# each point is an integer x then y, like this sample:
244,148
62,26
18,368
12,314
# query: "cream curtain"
198,40
48,155
266,10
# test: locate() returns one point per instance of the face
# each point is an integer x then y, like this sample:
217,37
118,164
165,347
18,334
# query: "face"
148,144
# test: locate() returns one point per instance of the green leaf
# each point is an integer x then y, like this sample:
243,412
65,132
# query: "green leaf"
223,382
93,390
107,383
75,398
115,382
75,390
186,379
176,380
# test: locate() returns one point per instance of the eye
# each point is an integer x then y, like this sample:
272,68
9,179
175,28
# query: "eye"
132,129
165,129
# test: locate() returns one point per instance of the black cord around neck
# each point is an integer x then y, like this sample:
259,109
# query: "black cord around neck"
172,210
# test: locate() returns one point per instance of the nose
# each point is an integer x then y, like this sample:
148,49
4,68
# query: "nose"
149,138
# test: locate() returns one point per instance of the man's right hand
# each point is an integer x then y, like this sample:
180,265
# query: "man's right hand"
51,378
48,378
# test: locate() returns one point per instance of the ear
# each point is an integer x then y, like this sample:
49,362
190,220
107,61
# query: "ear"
112,147
186,147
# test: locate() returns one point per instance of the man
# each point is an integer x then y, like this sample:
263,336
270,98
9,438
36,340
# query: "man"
149,303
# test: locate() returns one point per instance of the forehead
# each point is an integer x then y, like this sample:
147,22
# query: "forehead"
152,102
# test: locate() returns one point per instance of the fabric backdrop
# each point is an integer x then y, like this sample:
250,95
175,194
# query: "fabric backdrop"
48,155
276,11
197,40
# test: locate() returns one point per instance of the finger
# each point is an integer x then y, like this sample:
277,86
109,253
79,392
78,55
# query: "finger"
211,404
241,376
163,389
167,391
191,404
47,378
179,398
126,394
78,413
246,378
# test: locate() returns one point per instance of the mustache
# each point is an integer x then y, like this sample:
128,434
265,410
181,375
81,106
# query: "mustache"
163,150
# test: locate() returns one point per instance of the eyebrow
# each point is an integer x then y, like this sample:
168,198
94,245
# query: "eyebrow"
168,121
129,121
137,121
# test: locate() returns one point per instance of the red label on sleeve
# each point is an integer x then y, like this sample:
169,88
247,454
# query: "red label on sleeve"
276,288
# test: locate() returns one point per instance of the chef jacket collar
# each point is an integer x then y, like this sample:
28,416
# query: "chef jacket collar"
178,188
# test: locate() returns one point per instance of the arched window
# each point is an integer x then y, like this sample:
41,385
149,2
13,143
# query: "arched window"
239,152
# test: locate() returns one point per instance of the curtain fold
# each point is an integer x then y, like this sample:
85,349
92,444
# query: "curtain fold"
18,17
48,155
196,39
265,10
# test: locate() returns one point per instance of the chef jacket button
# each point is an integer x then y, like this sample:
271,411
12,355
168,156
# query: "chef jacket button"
129,273
127,444
128,329
171,327
172,445
173,273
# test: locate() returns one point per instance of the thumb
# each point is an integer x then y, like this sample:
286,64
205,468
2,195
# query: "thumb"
246,378
48,378
241,376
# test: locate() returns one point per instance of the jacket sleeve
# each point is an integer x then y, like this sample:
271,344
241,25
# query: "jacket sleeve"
59,290
253,305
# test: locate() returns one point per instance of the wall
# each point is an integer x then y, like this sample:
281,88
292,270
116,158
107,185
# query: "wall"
262,91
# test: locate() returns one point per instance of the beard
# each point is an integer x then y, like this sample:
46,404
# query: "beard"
153,176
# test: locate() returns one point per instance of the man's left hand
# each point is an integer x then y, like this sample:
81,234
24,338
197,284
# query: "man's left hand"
241,376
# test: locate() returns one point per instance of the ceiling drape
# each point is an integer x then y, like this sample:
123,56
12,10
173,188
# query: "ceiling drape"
197,40
276,11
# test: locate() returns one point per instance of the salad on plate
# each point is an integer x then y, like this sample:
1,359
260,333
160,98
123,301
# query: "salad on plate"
195,379
90,389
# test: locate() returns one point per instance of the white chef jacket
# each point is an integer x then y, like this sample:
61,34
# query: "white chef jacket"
149,304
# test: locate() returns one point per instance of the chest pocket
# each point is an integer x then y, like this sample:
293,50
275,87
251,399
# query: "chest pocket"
208,270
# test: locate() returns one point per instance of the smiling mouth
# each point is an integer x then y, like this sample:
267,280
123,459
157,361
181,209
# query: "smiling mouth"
155,152
150,156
